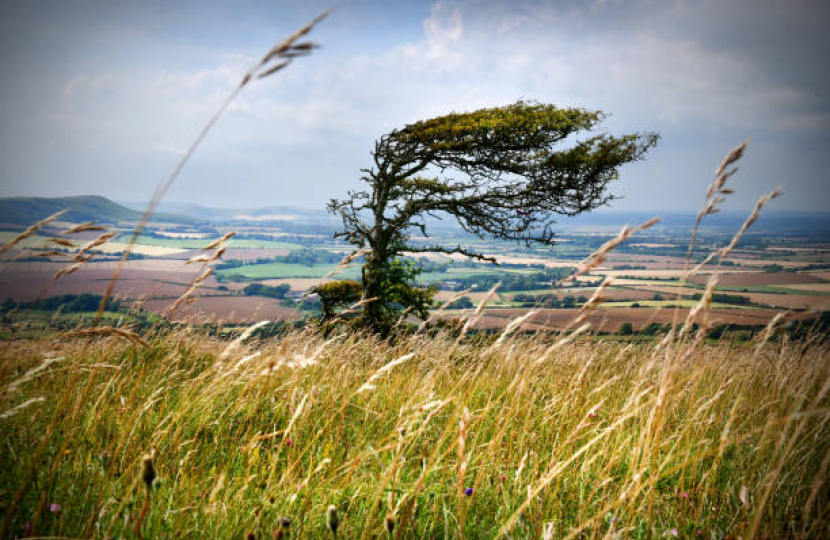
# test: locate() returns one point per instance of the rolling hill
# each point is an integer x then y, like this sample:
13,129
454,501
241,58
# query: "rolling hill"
28,210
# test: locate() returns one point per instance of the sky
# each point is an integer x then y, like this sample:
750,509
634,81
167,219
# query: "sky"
103,96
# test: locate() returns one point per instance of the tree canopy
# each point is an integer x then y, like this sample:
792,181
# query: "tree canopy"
502,173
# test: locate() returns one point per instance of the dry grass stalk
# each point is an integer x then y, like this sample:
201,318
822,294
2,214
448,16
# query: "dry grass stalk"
471,321
63,242
106,331
281,54
30,231
463,458
69,268
233,345
596,299
354,308
187,296
514,325
206,260
83,227
39,254
440,311
598,257
369,385
347,260
17,409
287,50
561,342
29,375
102,239
724,252
225,237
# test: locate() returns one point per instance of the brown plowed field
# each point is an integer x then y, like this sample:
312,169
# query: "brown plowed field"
759,278
29,284
788,301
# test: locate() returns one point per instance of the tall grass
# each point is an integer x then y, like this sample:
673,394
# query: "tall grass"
176,434
446,439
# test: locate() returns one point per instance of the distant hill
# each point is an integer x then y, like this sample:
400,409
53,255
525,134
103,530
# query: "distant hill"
28,210
271,214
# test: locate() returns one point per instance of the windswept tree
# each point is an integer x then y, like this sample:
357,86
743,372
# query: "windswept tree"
503,173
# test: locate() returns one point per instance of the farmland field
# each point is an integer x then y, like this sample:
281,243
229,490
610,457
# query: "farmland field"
285,270
199,243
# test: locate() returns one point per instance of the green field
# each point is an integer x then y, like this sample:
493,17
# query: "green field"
199,243
463,273
287,270
768,289
35,240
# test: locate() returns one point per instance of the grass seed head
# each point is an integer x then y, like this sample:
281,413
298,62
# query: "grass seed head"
148,472
332,519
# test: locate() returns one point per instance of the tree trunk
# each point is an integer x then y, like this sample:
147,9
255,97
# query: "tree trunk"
373,274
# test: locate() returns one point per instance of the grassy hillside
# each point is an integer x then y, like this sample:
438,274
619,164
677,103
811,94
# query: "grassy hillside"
425,438
28,210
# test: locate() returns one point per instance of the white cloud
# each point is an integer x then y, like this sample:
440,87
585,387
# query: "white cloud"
650,63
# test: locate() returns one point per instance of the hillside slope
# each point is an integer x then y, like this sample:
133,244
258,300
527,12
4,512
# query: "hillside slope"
27,210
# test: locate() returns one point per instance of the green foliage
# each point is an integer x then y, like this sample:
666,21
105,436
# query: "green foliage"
66,303
514,281
397,294
258,289
337,294
508,180
723,298
462,303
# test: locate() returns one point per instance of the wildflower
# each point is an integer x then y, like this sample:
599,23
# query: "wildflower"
289,443
684,495
332,519
502,477
55,508
674,531
468,492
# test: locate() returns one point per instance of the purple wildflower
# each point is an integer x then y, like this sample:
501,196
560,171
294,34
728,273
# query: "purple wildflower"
55,508
468,492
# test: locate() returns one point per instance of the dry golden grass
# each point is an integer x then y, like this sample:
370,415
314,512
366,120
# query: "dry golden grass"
472,440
